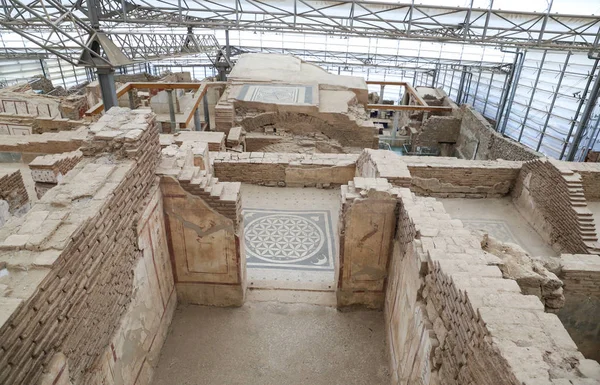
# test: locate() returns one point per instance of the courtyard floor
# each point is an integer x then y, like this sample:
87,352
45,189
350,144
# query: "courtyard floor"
499,218
273,344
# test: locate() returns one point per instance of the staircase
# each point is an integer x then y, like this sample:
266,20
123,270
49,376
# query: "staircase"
223,197
585,219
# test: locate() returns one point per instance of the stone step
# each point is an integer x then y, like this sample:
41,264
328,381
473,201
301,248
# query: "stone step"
217,190
231,191
206,181
186,175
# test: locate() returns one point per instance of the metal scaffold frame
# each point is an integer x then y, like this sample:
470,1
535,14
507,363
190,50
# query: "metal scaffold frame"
108,34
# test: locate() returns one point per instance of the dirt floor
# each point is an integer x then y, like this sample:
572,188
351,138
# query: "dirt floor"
500,219
274,344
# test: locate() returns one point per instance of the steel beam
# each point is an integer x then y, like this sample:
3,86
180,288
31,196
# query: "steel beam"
587,113
558,84
580,106
514,84
533,89
106,79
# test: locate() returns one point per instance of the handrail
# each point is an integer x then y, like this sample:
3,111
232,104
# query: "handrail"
410,107
96,109
409,89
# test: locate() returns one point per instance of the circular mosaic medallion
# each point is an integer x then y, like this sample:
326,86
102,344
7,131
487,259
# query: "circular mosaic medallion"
283,238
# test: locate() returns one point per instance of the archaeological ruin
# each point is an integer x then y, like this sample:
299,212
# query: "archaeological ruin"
288,226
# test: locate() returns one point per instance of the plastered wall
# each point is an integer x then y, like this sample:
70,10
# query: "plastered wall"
133,352
205,248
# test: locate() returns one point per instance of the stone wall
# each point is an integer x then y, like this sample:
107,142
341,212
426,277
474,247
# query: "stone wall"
457,178
437,130
338,127
71,259
581,276
452,319
14,149
551,198
278,169
439,176
13,191
478,140
366,231
26,125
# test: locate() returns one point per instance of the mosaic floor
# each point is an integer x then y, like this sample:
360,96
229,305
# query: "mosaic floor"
500,219
289,237
278,94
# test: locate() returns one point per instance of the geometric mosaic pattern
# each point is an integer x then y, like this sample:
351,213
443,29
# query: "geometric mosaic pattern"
277,94
288,239
496,228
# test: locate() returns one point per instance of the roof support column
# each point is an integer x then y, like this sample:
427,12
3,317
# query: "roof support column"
514,84
172,111
106,79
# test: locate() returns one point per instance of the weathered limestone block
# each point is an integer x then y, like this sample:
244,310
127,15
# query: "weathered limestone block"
367,225
530,273
383,164
206,249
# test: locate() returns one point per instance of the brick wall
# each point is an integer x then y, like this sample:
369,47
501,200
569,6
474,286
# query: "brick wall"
82,245
457,178
581,276
280,169
436,130
12,190
551,198
49,170
337,126
478,137
590,175
26,148
452,319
